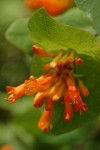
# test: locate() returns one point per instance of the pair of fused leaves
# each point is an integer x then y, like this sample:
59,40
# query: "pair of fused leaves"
18,33
53,36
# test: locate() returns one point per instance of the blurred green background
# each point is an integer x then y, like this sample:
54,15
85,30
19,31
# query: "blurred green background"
18,122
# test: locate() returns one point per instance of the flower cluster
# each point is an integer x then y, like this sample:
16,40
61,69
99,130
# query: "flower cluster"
53,7
58,83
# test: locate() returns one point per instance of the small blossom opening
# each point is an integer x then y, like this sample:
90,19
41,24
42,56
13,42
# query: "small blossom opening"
15,92
57,84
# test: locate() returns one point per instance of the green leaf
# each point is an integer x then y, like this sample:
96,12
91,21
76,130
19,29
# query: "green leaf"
10,11
18,35
16,136
52,36
74,17
92,9
77,18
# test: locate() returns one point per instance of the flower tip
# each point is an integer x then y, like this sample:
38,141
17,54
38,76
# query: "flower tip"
11,99
9,88
52,65
37,104
78,61
41,52
86,92
68,111
31,77
46,67
35,49
43,127
85,108
67,118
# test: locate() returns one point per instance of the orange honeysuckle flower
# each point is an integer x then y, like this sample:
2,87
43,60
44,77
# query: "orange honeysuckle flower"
28,87
40,98
33,86
68,111
70,59
63,60
6,147
54,62
52,90
45,75
73,96
78,61
59,92
58,83
81,107
46,80
44,122
84,90
15,92
53,7
41,52
49,105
